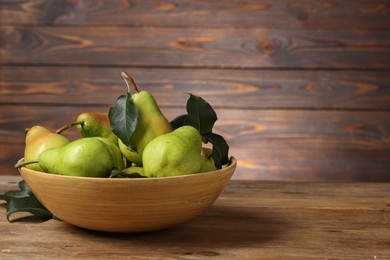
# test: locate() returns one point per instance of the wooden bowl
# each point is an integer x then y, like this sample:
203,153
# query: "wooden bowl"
128,205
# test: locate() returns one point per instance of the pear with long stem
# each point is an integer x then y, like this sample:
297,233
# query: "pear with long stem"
151,122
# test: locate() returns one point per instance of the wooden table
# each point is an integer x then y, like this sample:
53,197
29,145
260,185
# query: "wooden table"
250,220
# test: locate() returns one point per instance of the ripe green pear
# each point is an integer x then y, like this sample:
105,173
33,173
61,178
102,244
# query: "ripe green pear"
134,169
39,139
95,124
86,157
173,154
116,153
207,165
151,123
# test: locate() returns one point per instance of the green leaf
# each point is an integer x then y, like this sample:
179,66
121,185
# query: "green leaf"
24,200
28,204
220,150
124,118
200,114
178,121
24,191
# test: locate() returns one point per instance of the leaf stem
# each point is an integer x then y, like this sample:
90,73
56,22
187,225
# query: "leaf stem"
67,126
128,79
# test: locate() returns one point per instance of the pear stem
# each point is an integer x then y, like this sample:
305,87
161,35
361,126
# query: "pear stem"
67,126
128,79
24,163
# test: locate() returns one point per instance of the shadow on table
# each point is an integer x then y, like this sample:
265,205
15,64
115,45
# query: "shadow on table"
216,232
218,227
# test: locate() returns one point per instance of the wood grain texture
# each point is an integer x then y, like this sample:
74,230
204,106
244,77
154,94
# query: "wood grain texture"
194,47
269,144
301,88
293,164
267,128
277,164
248,89
310,14
250,220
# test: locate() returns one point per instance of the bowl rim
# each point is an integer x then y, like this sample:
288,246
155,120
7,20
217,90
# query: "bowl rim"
231,164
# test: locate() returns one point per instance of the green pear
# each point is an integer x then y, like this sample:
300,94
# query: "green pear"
39,139
134,169
173,154
116,153
92,124
207,165
86,157
151,123
130,172
95,124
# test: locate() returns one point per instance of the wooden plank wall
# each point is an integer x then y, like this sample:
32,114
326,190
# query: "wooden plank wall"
301,87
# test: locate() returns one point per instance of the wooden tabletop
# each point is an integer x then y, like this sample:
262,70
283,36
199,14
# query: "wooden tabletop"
250,220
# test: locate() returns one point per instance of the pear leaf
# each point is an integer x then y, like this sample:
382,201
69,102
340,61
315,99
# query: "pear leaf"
24,200
178,121
200,114
28,204
123,119
220,150
24,191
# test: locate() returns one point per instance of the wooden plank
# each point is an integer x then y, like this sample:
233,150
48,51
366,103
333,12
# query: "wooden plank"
221,88
195,47
358,14
269,220
10,153
270,164
269,144
252,129
342,130
315,164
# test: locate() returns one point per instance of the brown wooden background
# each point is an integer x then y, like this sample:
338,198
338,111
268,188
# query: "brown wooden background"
301,88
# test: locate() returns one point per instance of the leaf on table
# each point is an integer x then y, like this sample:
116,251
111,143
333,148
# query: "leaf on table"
24,191
27,204
24,200
123,119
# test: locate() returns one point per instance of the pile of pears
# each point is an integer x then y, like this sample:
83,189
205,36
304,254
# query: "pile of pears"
157,149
